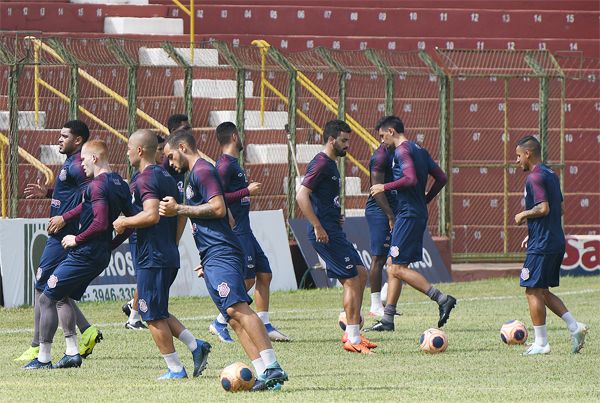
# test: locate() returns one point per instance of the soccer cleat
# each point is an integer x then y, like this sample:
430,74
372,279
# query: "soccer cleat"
173,375
578,338
127,308
135,326
275,334
220,330
445,309
381,326
356,348
36,364
30,354
200,355
363,340
88,341
535,349
69,361
272,379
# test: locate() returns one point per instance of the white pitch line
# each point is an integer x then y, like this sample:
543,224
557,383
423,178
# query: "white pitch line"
209,317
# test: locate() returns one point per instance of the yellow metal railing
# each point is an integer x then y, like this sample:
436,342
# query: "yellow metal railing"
190,13
39,45
319,94
37,164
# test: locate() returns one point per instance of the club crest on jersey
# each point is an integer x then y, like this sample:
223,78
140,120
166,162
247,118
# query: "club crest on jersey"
189,192
180,186
62,175
143,305
194,228
52,281
223,290
394,251
38,274
525,273
336,201
55,203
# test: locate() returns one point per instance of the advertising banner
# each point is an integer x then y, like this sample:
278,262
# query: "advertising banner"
22,242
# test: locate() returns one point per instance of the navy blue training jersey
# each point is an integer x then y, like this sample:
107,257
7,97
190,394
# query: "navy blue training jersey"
69,186
546,235
382,161
213,236
156,245
323,178
237,195
409,156
106,196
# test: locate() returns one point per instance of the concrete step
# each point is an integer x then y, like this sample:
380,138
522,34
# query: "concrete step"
143,25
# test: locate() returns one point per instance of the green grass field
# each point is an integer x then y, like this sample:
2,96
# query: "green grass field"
476,366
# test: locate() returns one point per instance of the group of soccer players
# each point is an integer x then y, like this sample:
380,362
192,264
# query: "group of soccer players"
89,200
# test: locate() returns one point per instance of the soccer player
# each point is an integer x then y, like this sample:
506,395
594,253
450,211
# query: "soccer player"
545,244
319,200
134,319
66,195
157,255
103,200
178,121
221,255
412,165
380,214
237,196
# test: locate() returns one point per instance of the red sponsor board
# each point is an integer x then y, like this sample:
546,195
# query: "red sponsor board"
582,255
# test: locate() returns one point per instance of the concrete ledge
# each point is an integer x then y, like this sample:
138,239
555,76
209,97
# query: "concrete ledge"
481,271
158,57
273,120
50,155
111,2
26,120
216,89
143,26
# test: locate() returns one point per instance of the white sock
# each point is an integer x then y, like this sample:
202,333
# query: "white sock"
259,366
134,316
570,321
173,362
44,355
376,301
72,346
353,333
188,339
221,319
264,316
541,335
268,357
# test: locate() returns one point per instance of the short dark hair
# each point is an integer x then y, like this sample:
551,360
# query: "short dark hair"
175,122
532,144
183,136
160,139
78,128
224,132
390,121
333,128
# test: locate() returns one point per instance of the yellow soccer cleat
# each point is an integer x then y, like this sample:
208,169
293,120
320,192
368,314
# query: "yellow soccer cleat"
88,341
29,355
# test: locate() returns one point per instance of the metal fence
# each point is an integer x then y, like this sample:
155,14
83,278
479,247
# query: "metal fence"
468,108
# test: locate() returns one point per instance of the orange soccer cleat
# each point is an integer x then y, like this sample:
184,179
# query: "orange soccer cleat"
356,348
363,340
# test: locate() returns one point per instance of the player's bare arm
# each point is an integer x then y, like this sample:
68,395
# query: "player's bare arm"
303,199
145,218
36,191
539,210
378,178
215,208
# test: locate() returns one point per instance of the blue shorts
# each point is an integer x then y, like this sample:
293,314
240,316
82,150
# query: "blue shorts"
153,286
407,240
73,275
541,271
53,254
225,281
379,229
255,258
340,256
